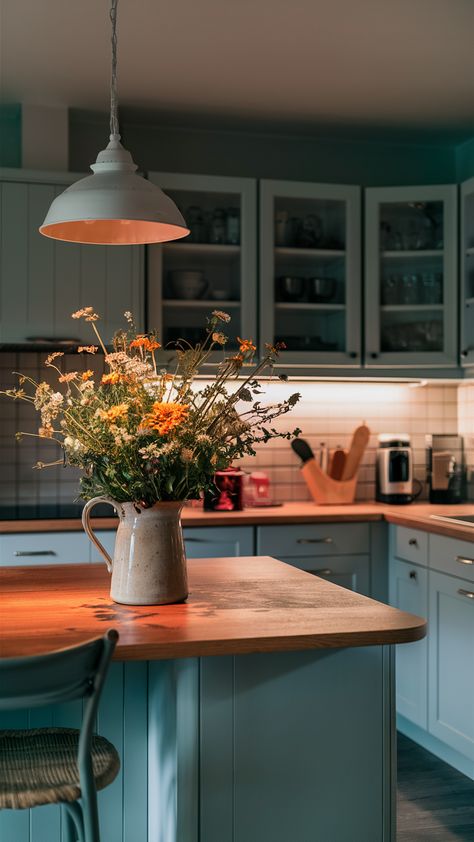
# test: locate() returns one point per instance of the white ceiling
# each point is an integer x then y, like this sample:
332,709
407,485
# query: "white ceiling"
301,62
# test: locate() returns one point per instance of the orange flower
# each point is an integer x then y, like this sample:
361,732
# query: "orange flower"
114,413
144,342
86,375
246,345
165,416
111,379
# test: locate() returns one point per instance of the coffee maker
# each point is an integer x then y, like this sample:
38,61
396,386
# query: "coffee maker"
394,469
445,470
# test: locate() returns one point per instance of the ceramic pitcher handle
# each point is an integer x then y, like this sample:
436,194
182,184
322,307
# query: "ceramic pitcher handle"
88,529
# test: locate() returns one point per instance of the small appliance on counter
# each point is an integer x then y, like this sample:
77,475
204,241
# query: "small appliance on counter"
394,469
445,469
227,493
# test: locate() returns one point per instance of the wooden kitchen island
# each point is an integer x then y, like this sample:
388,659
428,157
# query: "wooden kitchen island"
260,709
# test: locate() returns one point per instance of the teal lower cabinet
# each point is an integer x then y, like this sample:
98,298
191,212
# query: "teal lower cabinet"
339,552
294,746
451,663
408,586
435,676
348,571
219,541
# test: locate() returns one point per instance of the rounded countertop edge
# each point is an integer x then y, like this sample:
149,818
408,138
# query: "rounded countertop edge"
268,645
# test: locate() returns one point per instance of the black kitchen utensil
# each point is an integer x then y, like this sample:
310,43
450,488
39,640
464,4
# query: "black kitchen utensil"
302,449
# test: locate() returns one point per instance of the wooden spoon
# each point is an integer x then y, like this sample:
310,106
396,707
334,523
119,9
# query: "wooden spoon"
338,462
359,442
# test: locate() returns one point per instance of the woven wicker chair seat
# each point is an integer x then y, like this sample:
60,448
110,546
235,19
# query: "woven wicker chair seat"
39,766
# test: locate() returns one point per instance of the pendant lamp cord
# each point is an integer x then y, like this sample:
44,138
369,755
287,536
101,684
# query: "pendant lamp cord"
114,125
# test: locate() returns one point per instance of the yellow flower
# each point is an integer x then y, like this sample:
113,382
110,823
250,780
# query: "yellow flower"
187,454
46,432
86,375
114,413
165,416
66,378
113,378
246,345
221,316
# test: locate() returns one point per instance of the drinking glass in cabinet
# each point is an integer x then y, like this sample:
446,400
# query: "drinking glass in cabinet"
290,288
321,290
197,225
218,228
432,287
411,226
233,226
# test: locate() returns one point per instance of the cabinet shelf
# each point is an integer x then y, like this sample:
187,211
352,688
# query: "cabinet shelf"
199,302
196,249
287,251
403,254
411,308
295,305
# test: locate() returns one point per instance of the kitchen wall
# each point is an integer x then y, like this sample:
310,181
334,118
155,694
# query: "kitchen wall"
328,411
344,155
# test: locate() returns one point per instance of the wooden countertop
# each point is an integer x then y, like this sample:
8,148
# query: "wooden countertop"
414,515
235,606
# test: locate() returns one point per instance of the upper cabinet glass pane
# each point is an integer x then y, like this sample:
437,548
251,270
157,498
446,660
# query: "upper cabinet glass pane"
305,253
411,276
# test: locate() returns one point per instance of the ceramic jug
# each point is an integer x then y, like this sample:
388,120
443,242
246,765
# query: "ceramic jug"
149,562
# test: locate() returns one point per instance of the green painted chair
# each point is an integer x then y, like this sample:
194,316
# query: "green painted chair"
58,765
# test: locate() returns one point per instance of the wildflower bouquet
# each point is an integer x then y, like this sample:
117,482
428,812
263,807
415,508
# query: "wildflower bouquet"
145,435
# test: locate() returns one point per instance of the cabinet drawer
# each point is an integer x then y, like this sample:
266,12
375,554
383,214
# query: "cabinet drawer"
411,545
313,539
448,555
348,571
218,541
44,548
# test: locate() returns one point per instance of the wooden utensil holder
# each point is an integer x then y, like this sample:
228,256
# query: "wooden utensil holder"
324,489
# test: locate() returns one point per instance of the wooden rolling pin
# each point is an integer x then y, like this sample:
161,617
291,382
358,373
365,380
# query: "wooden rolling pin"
360,440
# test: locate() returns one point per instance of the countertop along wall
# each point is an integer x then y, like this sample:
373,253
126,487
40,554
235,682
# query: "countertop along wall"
327,412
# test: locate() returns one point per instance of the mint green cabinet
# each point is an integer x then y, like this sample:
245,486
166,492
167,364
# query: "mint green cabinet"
310,273
408,589
214,267
339,553
451,662
42,281
411,277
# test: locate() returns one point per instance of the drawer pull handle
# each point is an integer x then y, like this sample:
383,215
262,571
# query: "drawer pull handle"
412,542
323,571
196,540
469,594
462,560
314,541
413,575
26,553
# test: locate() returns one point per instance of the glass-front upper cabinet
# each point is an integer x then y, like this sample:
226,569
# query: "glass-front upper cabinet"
310,273
411,277
214,267
467,273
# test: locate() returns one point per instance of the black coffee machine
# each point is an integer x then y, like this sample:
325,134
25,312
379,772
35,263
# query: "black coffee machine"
445,469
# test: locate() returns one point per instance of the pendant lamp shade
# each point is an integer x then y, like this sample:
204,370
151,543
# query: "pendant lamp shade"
114,206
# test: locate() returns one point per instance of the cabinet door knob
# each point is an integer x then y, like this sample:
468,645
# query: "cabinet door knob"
464,353
412,542
413,575
352,354
469,594
374,355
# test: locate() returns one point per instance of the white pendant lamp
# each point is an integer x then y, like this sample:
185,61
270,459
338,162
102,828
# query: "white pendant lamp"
114,206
